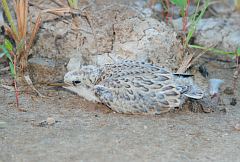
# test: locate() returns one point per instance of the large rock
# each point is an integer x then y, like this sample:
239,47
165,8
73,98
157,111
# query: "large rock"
222,33
45,70
104,32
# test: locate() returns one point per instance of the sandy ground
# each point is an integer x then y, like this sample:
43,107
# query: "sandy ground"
88,132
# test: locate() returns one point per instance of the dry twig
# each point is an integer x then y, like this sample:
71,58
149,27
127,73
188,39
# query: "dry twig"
192,58
29,82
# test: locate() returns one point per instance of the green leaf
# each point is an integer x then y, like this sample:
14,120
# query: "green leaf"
238,51
215,50
73,4
180,3
9,16
8,45
5,51
1,55
194,21
12,70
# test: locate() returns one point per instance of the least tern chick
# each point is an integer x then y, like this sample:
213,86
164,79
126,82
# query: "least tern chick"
132,87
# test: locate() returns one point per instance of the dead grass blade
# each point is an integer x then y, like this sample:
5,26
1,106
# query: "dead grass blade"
61,3
21,9
33,33
58,11
190,60
10,32
185,64
29,82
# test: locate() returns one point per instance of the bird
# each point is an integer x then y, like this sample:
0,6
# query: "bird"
133,87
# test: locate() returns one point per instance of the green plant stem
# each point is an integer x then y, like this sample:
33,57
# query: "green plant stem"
212,49
15,78
194,20
73,4
9,16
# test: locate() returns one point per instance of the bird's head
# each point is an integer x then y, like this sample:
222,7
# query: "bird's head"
86,76
82,81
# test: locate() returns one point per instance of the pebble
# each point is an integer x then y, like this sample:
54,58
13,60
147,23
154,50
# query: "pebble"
140,4
3,124
214,86
158,7
228,91
50,121
233,101
237,127
147,12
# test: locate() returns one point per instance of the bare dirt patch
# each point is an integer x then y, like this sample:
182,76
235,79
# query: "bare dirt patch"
87,132
64,127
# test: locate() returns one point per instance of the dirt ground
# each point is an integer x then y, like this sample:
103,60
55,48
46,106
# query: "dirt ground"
85,132
88,132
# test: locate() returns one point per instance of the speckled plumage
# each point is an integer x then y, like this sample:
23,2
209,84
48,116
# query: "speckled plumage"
132,87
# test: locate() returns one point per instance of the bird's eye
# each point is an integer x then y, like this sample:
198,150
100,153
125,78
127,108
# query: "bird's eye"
76,82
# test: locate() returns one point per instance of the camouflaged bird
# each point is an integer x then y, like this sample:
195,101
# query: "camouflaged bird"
132,87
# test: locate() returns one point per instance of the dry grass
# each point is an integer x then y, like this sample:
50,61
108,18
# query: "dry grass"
237,5
23,40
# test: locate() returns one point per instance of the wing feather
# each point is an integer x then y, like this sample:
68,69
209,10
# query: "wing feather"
138,87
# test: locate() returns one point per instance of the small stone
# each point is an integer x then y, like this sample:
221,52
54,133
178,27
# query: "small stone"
225,134
50,121
148,12
40,124
140,4
228,91
74,62
207,109
237,127
22,110
3,125
158,7
223,109
233,101
214,86
145,127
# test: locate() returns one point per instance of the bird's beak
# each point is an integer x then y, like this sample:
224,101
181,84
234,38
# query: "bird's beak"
60,83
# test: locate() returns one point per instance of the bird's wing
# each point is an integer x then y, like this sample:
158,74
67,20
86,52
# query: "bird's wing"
139,89
194,92
186,87
130,68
